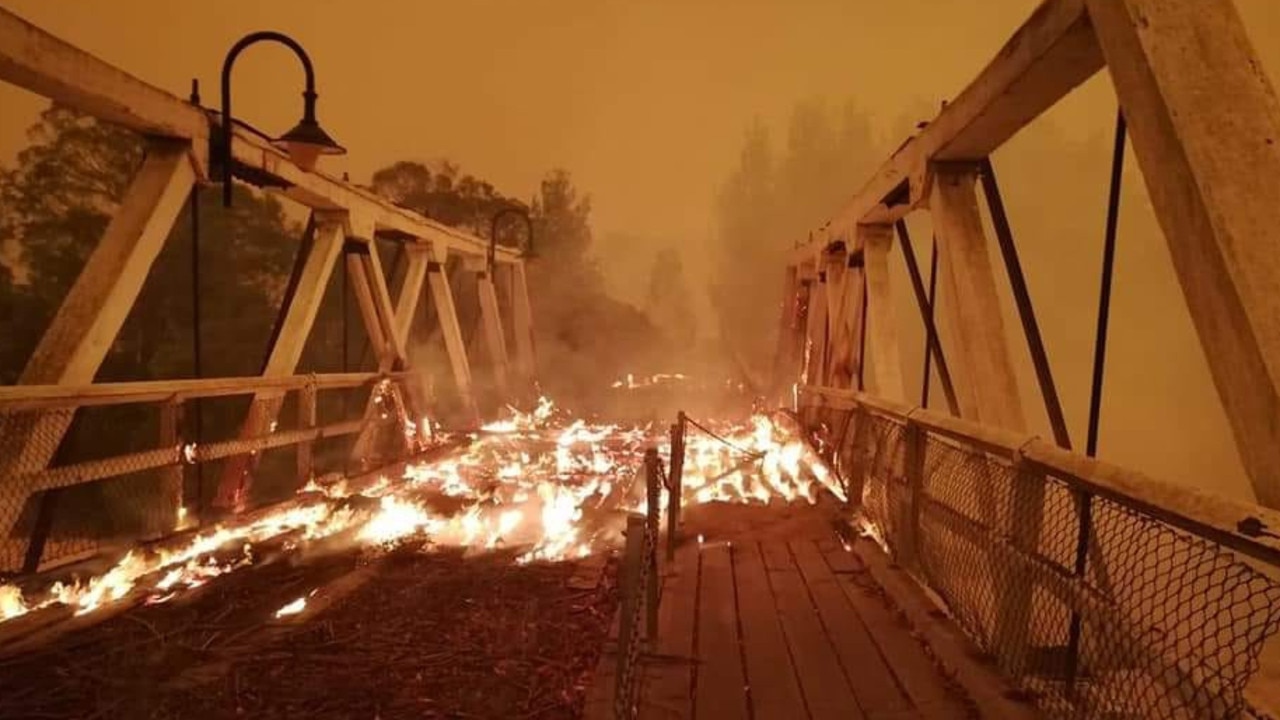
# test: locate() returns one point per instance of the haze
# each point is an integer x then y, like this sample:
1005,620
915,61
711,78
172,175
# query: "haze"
646,105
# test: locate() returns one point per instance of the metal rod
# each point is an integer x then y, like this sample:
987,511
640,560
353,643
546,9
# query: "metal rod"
308,95
1084,500
197,367
1022,299
933,293
932,344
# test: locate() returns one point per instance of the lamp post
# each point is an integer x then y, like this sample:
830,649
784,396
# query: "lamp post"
305,143
493,232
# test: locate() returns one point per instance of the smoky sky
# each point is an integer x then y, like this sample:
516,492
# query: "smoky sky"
646,104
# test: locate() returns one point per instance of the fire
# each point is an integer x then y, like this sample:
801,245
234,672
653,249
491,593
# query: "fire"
539,482
292,608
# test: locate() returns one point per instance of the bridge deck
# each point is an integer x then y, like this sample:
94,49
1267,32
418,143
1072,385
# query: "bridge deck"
780,622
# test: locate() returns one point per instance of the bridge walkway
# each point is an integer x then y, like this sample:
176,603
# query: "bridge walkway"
773,615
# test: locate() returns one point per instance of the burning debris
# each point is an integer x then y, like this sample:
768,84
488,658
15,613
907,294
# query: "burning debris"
542,483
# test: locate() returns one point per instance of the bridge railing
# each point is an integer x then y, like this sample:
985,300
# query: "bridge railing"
1100,592
155,477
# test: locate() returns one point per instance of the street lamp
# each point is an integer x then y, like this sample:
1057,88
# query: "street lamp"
493,232
305,143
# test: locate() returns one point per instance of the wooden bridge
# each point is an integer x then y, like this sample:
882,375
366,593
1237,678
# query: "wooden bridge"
975,569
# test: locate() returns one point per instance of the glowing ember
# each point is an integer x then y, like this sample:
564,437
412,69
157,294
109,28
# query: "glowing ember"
292,608
544,484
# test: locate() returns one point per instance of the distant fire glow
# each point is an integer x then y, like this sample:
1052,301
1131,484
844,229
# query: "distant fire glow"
543,484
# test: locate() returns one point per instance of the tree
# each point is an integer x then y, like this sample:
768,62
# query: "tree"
58,198
670,303
766,206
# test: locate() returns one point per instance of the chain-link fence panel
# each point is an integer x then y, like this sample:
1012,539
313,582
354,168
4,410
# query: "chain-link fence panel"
1094,606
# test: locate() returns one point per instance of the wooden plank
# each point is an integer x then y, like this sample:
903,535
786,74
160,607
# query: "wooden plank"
915,672
285,352
721,685
1047,57
775,690
386,316
874,685
33,59
669,674
826,690
846,351
838,559
882,325
522,317
78,339
36,397
1205,127
447,315
358,272
815,349
495,341
983,686
981,363
410,296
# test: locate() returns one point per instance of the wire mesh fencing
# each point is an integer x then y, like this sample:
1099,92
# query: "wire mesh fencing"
640,581
79,474
1096,604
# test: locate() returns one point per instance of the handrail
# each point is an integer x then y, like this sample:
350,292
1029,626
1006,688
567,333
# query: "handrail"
16,398
1190,509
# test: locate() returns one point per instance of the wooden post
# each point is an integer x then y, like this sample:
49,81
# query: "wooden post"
654,487
846,349
447,314
85,326
675,488
630,593
299,316
171,475
522,316
857,475
491,317
816,370
1205,127
835,264
882,325
914,439
1017,585
982,365
306,420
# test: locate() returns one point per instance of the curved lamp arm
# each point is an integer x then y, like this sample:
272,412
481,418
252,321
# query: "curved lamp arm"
493,232
308,95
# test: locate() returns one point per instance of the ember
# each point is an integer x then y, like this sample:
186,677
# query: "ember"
539,482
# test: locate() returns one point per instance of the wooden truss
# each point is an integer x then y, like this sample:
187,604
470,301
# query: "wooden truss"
1205,127
345,222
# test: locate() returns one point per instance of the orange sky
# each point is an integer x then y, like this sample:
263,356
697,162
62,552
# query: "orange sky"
646,102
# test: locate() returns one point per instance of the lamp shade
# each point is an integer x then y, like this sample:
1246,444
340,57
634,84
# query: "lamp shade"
306,142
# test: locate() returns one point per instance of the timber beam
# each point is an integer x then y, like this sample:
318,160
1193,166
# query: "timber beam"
36,60
1053,52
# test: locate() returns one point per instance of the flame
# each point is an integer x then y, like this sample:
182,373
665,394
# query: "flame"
292,608
541,482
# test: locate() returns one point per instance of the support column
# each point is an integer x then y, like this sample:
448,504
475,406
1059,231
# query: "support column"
1205,127
981,364
300,315
522,316
784,348
442,296
86,324
882,324
815,347
495,341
